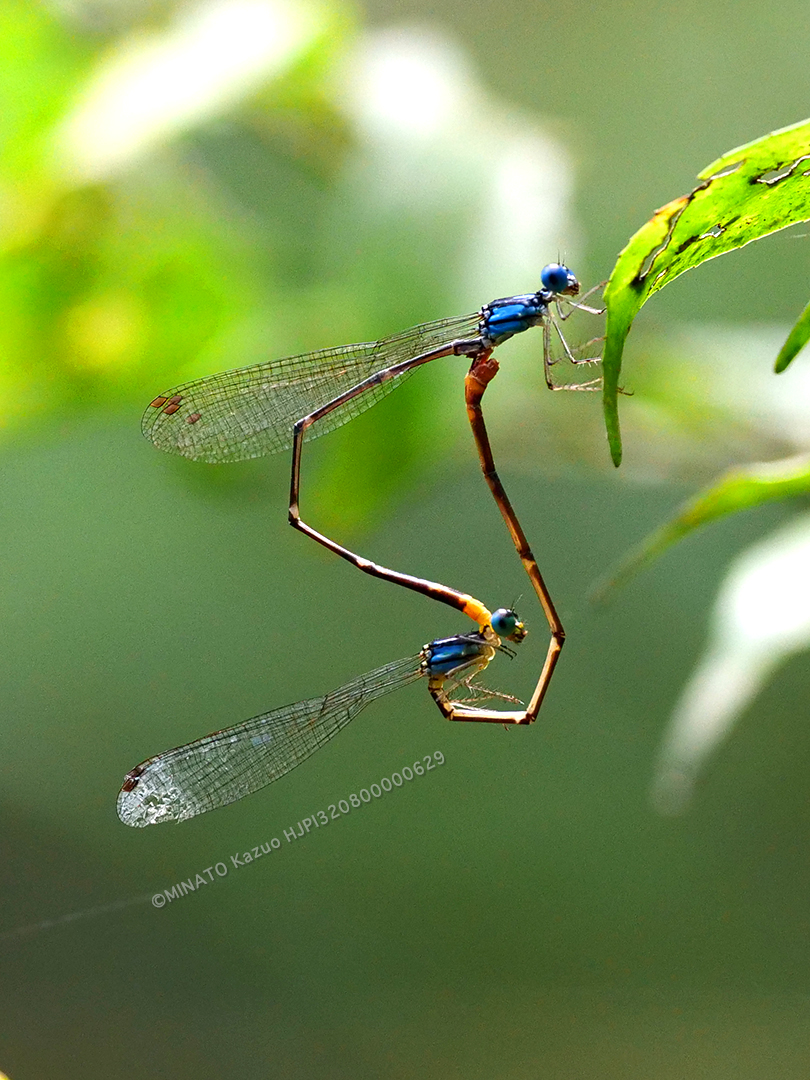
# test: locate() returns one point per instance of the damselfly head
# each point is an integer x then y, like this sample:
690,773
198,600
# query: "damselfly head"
506,624
559,280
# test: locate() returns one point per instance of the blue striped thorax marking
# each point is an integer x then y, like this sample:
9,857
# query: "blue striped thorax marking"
446,655
502,319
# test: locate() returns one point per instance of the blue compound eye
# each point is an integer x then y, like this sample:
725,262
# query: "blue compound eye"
556,278
504,622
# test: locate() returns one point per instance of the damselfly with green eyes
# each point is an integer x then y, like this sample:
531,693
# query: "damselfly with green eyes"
280,404
230,764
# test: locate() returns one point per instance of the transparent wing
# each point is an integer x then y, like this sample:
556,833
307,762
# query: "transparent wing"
250,412
230,764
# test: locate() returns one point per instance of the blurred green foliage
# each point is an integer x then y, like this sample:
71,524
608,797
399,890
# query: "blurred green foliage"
737,490
112,287
795,342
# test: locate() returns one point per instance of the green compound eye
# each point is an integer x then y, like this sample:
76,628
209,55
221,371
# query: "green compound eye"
504,622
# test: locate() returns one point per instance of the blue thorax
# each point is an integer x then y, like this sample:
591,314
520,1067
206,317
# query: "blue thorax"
447,654
501,319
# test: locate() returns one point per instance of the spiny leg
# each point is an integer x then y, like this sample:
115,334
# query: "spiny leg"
567,350
478,692
549,360
457,710
577,305
590,386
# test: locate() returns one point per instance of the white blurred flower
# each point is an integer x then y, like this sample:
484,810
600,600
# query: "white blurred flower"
734,366
432,136
152,86
761,616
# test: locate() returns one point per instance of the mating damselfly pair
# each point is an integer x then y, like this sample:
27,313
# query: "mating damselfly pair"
280,404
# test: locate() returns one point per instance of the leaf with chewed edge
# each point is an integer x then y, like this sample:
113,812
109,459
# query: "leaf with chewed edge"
748,193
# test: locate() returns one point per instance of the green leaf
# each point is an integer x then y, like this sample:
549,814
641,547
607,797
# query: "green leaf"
795,342
738,489
746,194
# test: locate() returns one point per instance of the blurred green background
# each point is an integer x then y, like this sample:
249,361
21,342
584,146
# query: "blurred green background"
184,189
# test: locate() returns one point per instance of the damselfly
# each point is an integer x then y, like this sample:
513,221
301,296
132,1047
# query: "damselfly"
280,404
230,764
